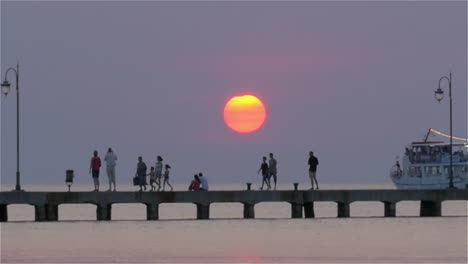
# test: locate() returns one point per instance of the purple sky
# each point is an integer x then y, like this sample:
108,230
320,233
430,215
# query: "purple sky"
352,81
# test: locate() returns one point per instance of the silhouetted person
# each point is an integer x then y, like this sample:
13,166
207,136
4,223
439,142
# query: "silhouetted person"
110,160
265,172
158,171
195,184
94,167
272,169
166,178
141,173
204,182
313,163
153,181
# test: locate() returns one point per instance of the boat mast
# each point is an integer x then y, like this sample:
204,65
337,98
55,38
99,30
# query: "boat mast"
427,135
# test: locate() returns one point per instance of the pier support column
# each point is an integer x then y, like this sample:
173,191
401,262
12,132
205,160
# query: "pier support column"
104,212
152,211
249,210
203,211
309,210
296,210
430,208
3,213
52,212
389,209
343,209
40,213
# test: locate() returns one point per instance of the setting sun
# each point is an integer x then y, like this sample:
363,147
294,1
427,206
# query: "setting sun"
245,113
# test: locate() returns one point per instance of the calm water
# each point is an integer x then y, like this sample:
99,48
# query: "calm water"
271,238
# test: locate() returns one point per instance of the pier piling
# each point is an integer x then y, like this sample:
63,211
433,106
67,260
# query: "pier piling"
296,210
203,211
103,212
52,212
389,209
40,213
430,208
3,213
343,209
152,211
249,210
309,210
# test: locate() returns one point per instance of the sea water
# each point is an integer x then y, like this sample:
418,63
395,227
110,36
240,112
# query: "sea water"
366,237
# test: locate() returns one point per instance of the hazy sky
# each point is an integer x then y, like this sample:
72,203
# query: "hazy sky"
352,81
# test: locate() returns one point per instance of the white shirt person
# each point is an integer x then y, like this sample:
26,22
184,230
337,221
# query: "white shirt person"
111,162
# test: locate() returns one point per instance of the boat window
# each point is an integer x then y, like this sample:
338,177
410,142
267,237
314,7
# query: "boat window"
431,171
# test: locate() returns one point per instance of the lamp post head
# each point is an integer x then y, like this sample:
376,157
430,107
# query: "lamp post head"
5,87
439,94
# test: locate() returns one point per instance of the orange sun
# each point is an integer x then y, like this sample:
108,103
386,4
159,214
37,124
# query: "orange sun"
245,113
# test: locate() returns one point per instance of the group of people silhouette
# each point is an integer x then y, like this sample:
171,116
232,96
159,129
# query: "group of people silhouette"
199,182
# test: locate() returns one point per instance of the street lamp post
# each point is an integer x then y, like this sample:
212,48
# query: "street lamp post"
5,91
439,95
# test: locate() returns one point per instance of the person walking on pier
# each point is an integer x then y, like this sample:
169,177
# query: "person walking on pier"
94,167
265,172
204,182
158,171
313,163
166,178
110,160
141,173
152,175
272,170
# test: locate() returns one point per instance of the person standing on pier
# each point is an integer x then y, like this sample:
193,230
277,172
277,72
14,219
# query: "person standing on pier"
141,173
204,182
265,172
313,163
166,178
110,160
94,167
158,171
272,170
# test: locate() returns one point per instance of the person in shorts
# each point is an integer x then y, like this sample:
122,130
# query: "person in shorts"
153,181
265,173
272,170
158,171
110,160
166,178
94,168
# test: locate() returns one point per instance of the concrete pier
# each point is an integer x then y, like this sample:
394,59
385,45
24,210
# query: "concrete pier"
430,208
389,209
46,204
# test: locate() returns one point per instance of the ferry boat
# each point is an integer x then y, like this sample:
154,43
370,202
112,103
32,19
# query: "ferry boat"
426,164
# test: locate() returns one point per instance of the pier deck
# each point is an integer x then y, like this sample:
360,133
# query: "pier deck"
302,201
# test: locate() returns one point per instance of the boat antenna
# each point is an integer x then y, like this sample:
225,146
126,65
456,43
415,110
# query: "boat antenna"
427,135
